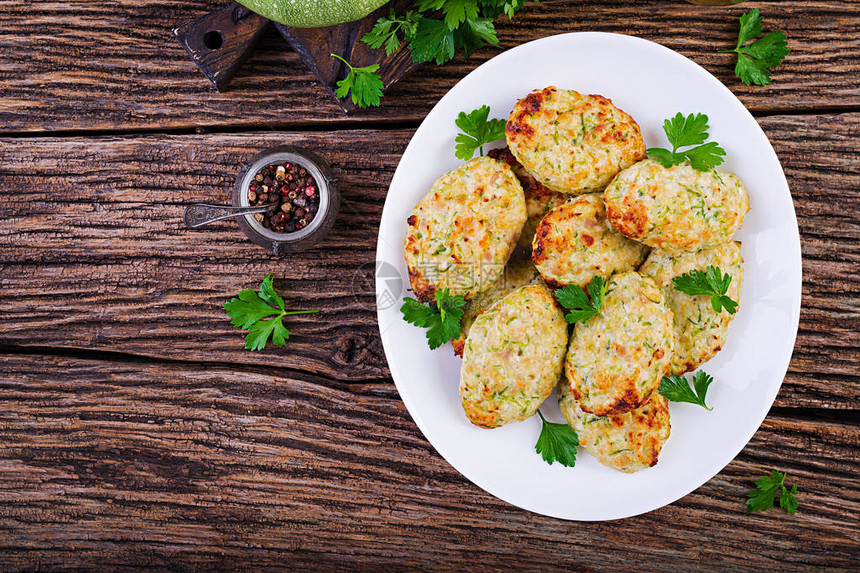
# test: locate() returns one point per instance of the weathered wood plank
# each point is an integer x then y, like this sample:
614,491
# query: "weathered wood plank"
93,65
120,463
107,233
93,256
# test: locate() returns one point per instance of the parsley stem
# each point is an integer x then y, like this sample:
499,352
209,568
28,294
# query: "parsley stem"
342,60
541,416
300,312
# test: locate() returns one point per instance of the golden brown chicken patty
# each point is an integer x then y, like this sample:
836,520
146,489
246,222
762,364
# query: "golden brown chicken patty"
626,442
574,243
616,359
517,274
700,331
463,231
513,357
570,142
676,208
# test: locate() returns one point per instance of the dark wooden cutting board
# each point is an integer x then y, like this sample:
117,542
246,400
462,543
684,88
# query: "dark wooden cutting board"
221,41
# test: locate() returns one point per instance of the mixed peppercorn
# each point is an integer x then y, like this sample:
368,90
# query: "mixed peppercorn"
294,195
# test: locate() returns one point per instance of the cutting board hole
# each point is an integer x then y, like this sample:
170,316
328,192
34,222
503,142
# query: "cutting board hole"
213,40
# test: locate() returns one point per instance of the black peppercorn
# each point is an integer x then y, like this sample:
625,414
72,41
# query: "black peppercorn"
293,193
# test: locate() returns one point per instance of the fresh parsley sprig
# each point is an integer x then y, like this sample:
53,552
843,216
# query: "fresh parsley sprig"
441,320
435,29
683,132
363,84
261,315
477,131
677,389
767,488
757,59
385,31
582,306
557,443
709,283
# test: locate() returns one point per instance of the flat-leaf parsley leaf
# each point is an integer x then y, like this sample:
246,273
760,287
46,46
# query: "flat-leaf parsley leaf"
581,307
557,443
363,84
442,321
683,132
677,389
766,490
261,314
435,29
710,283
477,131
385,31
756,59
433,40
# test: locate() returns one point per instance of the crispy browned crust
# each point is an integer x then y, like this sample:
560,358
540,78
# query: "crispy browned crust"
540,242
504,154
630,400
459,345
424,291
517,123
689,365
651,417
615,132
630,220
575,238
487,420
544,242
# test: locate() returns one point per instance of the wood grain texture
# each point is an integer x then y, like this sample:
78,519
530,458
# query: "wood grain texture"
93,255
315,46
174,466
83,64
136,432
221,41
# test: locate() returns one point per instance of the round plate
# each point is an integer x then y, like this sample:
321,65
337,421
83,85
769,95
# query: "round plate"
651,83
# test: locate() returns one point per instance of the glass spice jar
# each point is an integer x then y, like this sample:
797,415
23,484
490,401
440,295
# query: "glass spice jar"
304,198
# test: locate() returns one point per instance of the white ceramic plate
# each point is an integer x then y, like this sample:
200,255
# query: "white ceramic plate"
650,83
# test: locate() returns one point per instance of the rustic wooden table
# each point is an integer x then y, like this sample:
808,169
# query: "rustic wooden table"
135,430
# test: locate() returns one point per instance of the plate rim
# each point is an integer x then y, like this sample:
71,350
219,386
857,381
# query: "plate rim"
797,273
